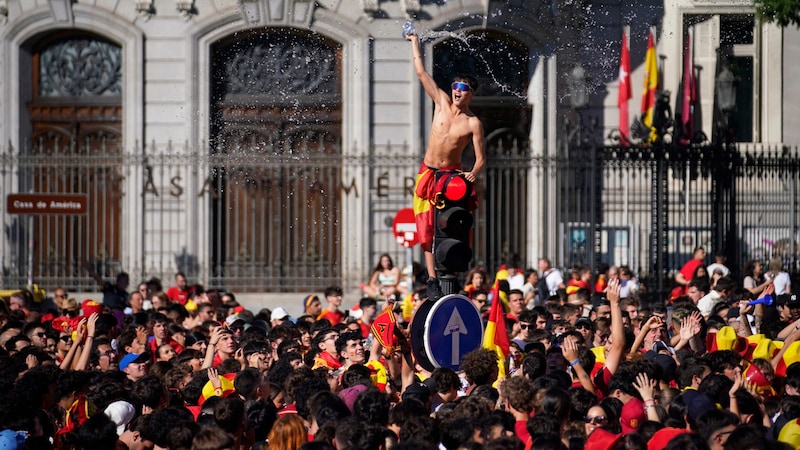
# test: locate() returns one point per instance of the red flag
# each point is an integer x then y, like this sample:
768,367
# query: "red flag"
689,90
385,331
625,93
650,85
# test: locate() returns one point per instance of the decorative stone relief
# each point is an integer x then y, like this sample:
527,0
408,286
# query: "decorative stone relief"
186,8
3,11
281,65
80,67
145,9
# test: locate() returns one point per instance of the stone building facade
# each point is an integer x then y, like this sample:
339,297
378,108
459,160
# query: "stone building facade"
265,145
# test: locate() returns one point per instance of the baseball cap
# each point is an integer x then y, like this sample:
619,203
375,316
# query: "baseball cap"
232,319
666,362
632,415
279,313
418,391
133,358
696,404
121,413
662,437
583,321
90,306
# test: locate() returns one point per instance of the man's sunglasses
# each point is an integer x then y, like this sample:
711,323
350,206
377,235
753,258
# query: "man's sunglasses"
463,87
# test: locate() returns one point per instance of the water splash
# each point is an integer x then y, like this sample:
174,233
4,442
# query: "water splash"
467,39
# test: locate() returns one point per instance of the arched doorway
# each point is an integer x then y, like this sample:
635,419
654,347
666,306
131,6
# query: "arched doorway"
75,111
276,132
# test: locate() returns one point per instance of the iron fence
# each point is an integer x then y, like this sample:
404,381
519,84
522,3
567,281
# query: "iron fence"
284,222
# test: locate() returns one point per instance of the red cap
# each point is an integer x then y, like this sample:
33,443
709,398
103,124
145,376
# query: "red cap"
632,415
90,306
662,437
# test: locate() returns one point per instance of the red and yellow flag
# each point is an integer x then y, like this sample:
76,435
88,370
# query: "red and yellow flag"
495,338
496,292
650,85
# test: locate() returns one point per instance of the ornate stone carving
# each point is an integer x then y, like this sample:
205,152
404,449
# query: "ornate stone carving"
145,9
185,8
3,11
282,66
80,67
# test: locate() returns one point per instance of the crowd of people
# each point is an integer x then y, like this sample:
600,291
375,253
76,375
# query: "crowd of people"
715,366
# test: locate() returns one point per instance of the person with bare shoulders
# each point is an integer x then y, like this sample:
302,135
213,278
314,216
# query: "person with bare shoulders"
454,127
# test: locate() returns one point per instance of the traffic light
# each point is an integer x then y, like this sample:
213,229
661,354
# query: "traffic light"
452,223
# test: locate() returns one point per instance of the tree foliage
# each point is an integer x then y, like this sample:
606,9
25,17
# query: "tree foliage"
782,12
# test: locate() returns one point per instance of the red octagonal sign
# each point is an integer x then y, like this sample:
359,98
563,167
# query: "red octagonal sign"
405,228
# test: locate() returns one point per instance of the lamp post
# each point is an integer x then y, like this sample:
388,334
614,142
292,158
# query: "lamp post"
726,103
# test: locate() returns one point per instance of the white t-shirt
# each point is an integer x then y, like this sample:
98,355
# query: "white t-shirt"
712,267
553,280
517,281
706,304
781,283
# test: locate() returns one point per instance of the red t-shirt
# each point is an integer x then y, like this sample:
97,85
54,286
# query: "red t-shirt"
153,347
177,295
521,430
334,317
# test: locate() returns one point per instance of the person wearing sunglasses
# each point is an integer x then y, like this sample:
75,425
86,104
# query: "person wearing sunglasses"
37,335
595,418
454,127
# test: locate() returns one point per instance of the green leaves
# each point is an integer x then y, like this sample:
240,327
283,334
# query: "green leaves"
782,12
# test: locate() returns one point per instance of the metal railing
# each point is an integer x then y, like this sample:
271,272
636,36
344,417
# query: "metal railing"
274,222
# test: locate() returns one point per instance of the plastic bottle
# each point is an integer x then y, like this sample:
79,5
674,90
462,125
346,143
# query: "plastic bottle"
408,28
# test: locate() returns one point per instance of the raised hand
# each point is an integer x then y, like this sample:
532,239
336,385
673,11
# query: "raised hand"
645,386
612,291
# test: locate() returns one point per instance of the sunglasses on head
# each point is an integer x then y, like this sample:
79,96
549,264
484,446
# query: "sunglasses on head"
463,87
596,420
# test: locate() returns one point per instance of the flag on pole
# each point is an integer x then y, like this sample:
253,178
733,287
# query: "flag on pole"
495,337
624,89
650,85
689,90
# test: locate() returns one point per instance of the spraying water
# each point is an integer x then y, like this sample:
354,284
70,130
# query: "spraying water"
467,40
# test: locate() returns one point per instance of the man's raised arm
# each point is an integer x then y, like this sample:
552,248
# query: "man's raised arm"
428,84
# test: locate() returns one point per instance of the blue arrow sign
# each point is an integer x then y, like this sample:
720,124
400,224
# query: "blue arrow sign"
453,328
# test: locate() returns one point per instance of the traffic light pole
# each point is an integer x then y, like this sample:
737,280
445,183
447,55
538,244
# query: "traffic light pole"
452,224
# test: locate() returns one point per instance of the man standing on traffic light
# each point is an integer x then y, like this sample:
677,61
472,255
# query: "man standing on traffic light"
454,125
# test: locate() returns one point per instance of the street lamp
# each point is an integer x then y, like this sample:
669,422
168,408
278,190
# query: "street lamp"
726,101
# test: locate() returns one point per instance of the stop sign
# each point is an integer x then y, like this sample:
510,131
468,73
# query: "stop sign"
405,228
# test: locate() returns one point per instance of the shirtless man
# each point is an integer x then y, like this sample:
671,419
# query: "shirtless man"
454,125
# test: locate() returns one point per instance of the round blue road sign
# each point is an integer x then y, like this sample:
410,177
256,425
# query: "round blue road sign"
453,328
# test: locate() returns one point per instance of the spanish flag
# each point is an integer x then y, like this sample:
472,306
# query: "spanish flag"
650,85
497,292
495,338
